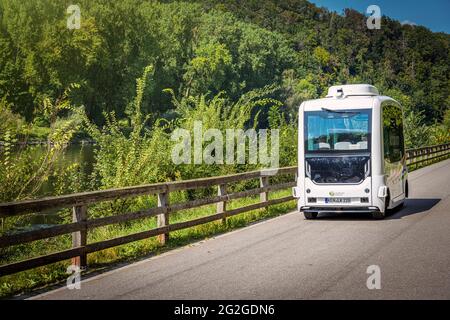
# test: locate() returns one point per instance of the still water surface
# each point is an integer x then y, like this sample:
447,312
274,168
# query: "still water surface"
75,153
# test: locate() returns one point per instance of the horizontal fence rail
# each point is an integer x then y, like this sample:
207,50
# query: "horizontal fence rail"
81,224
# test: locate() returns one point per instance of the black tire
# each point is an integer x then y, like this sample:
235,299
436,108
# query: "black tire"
310,215
386,203
407,189
378,215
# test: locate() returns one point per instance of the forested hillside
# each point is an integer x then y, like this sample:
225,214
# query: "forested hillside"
210,46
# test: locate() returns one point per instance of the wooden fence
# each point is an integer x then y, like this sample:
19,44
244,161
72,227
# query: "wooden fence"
81,224
427,155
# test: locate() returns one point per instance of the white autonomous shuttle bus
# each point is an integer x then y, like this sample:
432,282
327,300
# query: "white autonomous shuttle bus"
351,154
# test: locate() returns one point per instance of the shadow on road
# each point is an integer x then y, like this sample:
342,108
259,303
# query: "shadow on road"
412,206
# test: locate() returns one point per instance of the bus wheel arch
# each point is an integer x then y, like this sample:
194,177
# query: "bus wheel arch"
382,214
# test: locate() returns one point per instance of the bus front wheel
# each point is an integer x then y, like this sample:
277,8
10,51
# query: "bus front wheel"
310,215
378,215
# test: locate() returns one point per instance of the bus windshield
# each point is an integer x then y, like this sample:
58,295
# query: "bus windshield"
337,131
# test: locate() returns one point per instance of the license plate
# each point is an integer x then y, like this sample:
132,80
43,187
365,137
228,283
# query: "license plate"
338,200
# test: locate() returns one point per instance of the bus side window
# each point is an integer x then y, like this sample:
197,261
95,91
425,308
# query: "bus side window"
393,133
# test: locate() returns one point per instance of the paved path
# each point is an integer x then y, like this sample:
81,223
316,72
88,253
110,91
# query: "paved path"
292,258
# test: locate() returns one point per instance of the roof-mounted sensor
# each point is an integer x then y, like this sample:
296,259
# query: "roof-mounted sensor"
352,90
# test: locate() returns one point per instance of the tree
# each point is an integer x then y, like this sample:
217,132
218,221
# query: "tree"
208,69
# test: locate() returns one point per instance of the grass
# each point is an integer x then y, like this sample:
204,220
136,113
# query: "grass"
42,277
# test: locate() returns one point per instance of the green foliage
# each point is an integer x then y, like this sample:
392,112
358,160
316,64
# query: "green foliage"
9,121
208,70
126,159
117,40
209,45
322,56
297,90
220,113
417,134
287,136
142,154
440,134
22,172
446,121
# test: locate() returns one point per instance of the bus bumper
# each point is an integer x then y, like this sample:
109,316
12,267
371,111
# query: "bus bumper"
340,209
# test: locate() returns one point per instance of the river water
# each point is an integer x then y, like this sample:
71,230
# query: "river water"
75,153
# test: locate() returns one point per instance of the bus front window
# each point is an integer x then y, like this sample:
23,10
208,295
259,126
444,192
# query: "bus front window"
340,131
337,145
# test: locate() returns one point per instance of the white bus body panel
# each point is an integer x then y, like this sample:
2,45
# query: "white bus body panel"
376,183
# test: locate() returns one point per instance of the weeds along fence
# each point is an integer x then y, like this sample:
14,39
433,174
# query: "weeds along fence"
81,224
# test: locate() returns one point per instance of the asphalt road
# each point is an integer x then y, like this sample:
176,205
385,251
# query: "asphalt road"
292,258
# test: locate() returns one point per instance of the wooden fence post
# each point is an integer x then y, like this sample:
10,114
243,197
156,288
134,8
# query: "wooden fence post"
222,206
163,218
430,155
79,238
264,196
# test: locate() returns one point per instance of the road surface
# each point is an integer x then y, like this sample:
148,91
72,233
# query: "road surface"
292,258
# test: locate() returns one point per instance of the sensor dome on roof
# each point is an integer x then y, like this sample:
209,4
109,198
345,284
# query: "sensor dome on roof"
352,90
